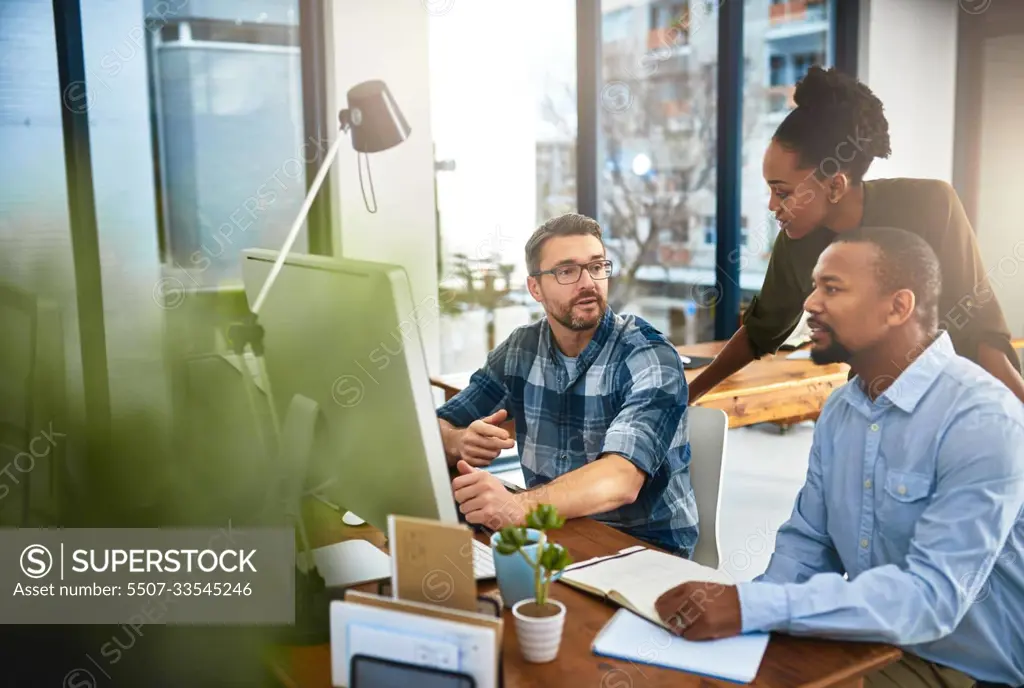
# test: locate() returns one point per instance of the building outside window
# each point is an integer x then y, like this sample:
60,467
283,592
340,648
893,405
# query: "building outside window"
226,86
659,127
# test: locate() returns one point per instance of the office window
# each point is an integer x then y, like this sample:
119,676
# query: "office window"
35,239
41,387
223,83
196,129
504,124
783,40
35,236
657,154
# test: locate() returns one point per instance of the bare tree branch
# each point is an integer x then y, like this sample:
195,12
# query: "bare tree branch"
671,115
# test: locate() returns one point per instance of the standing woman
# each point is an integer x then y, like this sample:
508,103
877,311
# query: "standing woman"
815,166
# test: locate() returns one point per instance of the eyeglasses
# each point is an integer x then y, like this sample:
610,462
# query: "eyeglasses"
570,274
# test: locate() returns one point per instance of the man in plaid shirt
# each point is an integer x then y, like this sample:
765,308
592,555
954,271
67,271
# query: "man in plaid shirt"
599,403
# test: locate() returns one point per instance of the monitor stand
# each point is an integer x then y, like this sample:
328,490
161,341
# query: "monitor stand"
340,565
351,562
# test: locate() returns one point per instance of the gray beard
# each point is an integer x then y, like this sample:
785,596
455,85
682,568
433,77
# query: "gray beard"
580,324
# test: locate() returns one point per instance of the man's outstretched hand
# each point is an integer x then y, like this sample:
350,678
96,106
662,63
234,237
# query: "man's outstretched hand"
481,442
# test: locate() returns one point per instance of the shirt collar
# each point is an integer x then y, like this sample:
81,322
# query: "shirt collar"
908,389
590,352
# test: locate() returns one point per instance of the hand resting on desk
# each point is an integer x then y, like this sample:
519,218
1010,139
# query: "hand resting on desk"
702,611
484,500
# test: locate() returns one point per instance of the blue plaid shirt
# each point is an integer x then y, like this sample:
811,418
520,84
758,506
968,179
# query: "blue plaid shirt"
627,396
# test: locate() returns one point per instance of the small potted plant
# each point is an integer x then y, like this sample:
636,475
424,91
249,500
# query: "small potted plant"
539,620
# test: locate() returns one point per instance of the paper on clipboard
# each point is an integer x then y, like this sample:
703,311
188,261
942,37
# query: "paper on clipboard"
472,618
432,562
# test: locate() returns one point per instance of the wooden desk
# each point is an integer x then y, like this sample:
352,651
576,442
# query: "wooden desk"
773,389
790,662
770,390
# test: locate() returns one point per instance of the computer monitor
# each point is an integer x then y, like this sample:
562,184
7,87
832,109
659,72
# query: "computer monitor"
345,334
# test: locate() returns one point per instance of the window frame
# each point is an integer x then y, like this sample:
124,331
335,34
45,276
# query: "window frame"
82,197
85,245
841,51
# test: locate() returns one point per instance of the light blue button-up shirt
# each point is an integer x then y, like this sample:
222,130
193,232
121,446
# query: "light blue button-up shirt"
917,497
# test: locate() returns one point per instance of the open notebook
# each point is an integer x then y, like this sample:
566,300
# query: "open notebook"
631,638
636,577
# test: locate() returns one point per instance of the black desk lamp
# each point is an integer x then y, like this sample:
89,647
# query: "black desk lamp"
376,124
374,118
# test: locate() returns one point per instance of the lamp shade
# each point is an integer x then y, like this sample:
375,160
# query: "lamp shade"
374,117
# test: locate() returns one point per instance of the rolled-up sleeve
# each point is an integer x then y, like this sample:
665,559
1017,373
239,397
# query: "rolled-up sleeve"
485,394
655,401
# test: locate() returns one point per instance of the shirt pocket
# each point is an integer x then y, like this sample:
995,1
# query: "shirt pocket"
905,496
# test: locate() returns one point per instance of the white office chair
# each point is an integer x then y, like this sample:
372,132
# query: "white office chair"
708,430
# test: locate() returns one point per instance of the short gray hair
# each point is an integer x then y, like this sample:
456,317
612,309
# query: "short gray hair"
569,224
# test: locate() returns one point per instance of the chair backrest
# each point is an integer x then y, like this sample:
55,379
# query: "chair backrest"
708,428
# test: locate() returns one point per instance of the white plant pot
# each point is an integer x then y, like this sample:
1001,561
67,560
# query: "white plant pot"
539,637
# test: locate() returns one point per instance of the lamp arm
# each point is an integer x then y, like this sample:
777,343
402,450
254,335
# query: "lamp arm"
293,233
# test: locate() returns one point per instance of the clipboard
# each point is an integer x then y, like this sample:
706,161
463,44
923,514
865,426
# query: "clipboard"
432,562
485,604
389,629
410,607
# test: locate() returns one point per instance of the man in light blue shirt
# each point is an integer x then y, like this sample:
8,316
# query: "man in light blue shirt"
909,527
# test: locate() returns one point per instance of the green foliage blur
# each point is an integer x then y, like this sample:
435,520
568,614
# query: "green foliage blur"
551,558
182,447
